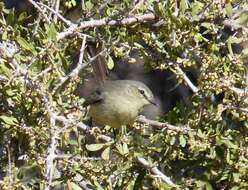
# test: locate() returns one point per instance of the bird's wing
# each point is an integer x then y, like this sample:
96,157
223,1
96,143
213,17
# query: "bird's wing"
93,98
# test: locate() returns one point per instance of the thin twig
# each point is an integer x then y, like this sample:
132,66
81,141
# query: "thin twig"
57,14
3,78
40,10
75,72
69,122
10,174
187,80
53,145
66,156
57,4
154,170
82,183
48,69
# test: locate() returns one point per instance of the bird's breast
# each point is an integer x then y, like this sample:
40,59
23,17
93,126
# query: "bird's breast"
116,110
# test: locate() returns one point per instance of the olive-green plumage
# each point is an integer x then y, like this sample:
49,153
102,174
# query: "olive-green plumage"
118,102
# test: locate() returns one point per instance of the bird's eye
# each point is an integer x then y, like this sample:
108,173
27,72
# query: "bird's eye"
141,91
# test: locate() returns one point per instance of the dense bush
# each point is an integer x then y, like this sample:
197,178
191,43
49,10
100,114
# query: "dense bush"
44,142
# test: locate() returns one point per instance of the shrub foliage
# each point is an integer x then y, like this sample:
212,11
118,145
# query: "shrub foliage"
44,142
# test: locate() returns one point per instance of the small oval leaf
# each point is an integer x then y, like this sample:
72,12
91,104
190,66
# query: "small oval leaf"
105,153
94,147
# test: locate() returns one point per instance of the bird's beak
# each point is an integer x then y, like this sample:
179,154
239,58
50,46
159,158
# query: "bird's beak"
152,101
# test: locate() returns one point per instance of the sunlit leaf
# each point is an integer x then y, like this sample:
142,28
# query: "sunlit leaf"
94,147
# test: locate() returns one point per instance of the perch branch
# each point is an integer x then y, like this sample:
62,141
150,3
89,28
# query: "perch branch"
160,125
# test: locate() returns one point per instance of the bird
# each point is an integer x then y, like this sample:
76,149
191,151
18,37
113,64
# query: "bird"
119,102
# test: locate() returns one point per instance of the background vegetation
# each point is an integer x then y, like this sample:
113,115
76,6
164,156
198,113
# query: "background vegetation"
44,141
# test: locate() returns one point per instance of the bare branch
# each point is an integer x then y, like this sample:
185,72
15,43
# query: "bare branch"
67,156
57,14
234,25
40,10
57,4
3,78
154,170
69,122
106,22
10,172
187,80
240,92
75,71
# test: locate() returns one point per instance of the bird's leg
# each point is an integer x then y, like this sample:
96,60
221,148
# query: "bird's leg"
123,130
115,132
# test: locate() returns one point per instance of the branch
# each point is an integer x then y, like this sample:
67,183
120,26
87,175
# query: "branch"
75,71
57,4
106,22
67,156
51,153
70,122
154,170
164,126
238,108
3,78
234,25
57,14
187,80
40,10
240,92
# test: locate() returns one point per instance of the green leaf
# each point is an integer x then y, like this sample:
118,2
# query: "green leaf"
172,140
74,3
5,35
208,186
204,185
125,148
73,142
88,5
26,45
229,10
110,63
245,51
5,70
229,144
206,25
182,141
98,185
22,17
119,148
94,147
236,177
235,188
106,153
8,120
196,7
75,186
184,5
51,32
243,18
122,148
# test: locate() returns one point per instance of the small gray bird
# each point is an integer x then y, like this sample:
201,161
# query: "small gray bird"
119,102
